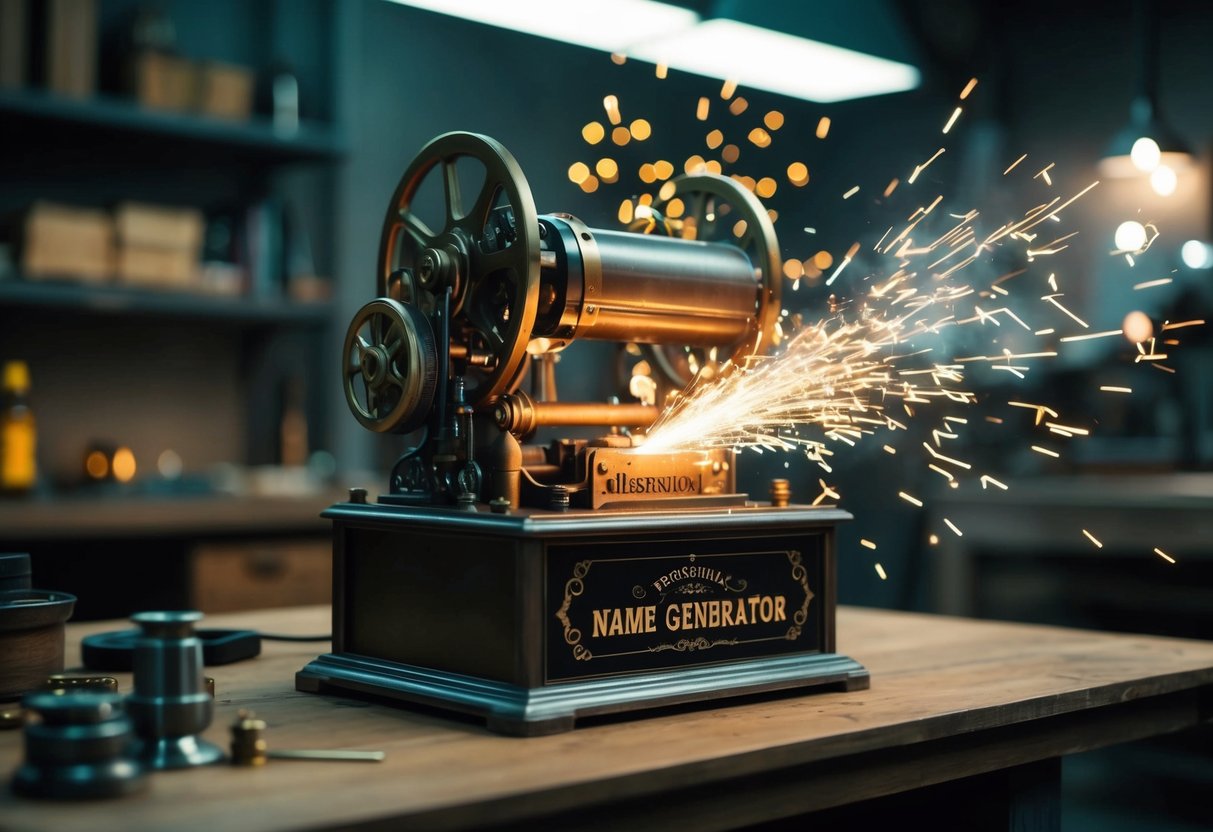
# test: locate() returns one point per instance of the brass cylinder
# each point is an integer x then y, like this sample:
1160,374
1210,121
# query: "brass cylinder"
521,415
659,290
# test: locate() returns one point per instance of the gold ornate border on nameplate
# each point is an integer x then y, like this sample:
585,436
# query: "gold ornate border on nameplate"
575,586
799,573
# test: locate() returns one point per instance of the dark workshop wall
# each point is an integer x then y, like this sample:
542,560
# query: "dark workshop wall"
1055,83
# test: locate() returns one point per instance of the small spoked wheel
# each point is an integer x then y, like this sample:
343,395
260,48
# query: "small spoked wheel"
390,366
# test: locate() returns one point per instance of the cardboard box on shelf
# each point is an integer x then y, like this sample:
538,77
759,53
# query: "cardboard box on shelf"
157,226
14,50
309,288
225,91
163,82
71,47
157,268
63,241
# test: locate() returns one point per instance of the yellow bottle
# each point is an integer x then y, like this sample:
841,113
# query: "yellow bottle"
18,436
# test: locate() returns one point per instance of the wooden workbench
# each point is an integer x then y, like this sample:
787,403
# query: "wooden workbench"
991,705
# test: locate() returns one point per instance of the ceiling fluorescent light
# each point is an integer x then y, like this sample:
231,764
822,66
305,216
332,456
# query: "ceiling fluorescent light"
768,60
611,25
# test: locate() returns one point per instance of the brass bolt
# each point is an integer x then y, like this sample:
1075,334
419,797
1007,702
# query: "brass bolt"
11,716
781,493
62,683
248,741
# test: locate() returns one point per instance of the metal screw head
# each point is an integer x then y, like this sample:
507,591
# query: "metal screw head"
603,468
358,495
425,268
558,498
499,505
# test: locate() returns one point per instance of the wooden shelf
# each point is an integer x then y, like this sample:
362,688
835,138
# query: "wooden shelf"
118,517
102,114
123,300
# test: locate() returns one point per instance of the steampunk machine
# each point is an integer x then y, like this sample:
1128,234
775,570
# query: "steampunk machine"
534,585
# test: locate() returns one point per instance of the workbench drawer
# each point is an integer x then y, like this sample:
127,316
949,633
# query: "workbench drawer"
255,575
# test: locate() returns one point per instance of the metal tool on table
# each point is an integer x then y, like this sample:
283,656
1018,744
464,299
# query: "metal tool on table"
170,705
77,747
535,584
249,746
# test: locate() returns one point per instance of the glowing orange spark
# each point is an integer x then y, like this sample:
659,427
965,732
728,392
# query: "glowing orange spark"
952,120
1149,284
1105,334
1040,409
920,168
851,252
987,479
1053,300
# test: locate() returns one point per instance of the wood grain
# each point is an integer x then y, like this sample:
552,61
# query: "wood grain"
949,698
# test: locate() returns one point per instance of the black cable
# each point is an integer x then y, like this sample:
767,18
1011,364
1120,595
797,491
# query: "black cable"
281,637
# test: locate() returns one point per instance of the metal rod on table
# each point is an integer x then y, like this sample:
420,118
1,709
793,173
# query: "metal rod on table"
336,754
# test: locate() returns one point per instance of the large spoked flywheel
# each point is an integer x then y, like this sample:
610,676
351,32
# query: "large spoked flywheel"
482,246
716,209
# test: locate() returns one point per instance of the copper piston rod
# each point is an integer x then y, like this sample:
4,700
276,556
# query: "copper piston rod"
519,414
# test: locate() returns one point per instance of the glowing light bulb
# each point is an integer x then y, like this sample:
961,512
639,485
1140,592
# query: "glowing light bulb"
123,465
1196,255
1130,236
97,465
1163,180
1138,327
1145,154
169,464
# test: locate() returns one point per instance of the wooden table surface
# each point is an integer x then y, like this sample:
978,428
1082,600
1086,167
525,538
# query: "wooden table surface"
949,698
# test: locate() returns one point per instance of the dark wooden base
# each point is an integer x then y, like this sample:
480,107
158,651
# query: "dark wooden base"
518,711
534,620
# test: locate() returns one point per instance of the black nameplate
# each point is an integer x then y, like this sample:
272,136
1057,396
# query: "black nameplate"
640,606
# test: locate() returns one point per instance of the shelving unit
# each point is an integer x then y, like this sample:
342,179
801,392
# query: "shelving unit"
109,300
208,376
37,111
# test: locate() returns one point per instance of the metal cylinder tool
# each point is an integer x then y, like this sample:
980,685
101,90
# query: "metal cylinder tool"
170,705
76,748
